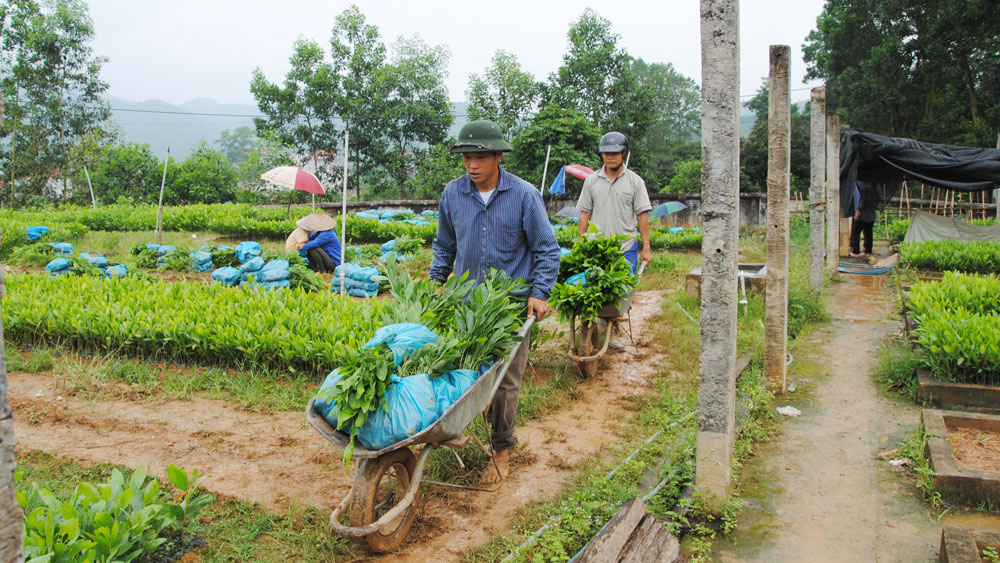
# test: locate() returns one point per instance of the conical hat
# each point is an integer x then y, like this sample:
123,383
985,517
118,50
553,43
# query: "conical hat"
316,222
293,240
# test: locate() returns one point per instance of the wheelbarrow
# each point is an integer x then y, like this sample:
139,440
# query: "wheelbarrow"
585,346
382,502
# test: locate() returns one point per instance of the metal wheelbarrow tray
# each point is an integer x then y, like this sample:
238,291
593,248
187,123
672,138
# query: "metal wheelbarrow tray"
444,430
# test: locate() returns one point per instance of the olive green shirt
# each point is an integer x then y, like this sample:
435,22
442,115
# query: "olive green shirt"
614,207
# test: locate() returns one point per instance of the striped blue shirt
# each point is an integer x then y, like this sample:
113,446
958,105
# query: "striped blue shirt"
510,232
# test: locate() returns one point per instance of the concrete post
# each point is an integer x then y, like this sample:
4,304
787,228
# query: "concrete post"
833,192
720,173
817,165
779,128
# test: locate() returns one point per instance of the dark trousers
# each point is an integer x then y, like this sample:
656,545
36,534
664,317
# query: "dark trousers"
503,409
319,261
857,228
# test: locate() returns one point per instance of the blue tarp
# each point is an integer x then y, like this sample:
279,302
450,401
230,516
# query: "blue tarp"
35,233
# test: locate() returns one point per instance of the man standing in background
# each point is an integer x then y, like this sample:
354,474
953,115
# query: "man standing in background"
615,199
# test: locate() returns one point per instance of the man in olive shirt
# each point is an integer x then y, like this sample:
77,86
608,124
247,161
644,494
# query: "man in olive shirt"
615,199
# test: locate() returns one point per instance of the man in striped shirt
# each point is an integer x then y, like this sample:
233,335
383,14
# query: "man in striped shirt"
490,218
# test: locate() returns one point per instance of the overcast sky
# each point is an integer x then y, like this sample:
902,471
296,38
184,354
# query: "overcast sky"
184,49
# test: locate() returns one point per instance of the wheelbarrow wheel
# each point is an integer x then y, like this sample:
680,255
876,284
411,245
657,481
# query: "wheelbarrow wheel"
379,485
589,345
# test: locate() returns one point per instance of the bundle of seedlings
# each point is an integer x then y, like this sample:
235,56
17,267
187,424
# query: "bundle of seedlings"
592,275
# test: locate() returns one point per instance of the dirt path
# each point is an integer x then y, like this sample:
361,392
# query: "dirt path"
249,455
828,496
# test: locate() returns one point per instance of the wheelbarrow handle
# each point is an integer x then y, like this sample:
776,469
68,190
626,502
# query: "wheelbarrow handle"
388,517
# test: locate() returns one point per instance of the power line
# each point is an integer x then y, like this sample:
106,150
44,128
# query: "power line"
186,113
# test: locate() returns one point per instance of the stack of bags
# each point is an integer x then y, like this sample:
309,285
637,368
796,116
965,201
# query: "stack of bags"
94,259
247,250
58,267
358,281
202,260
63,249
249,270
429,214
35,233
161,251
226,276
273,274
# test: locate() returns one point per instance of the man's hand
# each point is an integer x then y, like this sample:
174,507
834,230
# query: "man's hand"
537,307
647,256
857,215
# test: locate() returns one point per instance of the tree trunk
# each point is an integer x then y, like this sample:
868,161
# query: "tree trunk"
720,179
817,163
779,131
11,517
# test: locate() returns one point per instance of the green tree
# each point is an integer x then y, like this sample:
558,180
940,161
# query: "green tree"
597,78
126,170
678,103
505,94
753,149
237,145
205,176
687,179
269,153
573,137
301,113
358,54
415,109
52,90
925,69
437,167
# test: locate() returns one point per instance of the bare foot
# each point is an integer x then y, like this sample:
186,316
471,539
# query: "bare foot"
501,460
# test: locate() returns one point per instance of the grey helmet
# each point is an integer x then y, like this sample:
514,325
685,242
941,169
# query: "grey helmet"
613,142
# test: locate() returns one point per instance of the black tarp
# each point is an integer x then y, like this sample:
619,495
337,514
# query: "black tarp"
887,161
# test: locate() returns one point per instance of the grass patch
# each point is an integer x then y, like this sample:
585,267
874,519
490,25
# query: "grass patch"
897,367
913,448
112,377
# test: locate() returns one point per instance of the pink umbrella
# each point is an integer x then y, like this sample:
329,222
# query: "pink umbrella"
579,171
295,178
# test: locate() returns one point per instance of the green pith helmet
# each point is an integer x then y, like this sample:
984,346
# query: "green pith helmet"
481,136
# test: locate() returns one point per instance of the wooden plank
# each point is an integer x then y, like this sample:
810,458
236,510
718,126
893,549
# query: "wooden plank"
651,542
608,543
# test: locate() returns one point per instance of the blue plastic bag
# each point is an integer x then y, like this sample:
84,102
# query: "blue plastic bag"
388,246
564,252
247,250
275,270
95,259
411,409
276,284
451,386
118,271
63,249
327,409
393,256
355,292
578,279
253,265
403,339
226,276
58,266
163,250
675,230
35,233
202,260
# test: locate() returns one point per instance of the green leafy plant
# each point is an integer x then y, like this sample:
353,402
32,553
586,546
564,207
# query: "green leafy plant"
119,520
979,257
32,255
990,554
608,278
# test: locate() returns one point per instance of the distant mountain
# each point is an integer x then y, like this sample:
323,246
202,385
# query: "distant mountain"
160,124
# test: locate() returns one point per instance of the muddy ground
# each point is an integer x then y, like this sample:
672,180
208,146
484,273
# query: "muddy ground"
276,460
